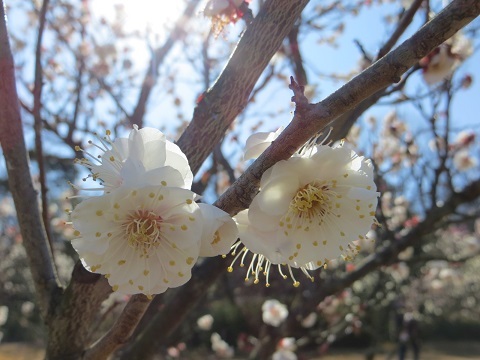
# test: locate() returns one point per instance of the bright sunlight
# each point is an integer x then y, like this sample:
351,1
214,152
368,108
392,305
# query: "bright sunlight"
146,16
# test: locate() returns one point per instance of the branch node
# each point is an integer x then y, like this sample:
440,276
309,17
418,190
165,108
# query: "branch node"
298,97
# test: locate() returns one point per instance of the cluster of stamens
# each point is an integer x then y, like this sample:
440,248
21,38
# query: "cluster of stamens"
143,231
259,264
90,161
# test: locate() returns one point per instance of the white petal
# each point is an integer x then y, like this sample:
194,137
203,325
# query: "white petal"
133,173
177,159
275,198
257,241
147,145
262,220
257,143
219,222
165,175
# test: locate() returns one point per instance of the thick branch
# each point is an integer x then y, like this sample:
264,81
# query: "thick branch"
20,183
74,312
230,94
121,330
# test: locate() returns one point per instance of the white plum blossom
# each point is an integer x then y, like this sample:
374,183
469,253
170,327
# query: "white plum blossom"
223,12
309,210
442,61
146,157
205,322
282,354
144,240
285,349
309,320
220,7
146,232
257,143
464,139
462,160
221,347
219,231
274,312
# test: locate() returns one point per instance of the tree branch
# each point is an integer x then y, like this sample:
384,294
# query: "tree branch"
20,183
74,312
121,330
229,95
37,107
401,27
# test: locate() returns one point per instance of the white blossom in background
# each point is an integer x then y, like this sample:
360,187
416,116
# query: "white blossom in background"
3,315
285,349
309,210
274,312
219,7
441,62
205,322
462,160
146,157
464,139
144,240
223,12
219,231
309,320
221,347
257,143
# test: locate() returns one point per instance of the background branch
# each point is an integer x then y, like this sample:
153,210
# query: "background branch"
37,107
19,180
158,57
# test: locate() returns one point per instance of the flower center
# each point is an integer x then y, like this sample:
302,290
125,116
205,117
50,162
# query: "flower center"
311,201
143,231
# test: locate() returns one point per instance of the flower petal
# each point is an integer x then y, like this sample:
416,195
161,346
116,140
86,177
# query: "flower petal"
219,231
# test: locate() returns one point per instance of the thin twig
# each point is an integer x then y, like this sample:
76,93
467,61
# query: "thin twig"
406,19
158,57
37,107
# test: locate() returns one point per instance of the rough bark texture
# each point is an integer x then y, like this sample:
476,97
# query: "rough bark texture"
74,313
